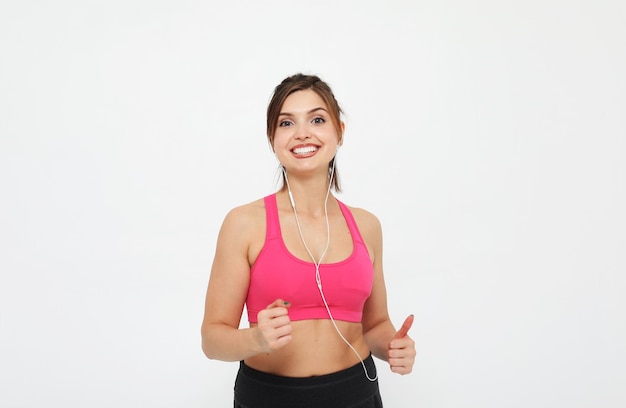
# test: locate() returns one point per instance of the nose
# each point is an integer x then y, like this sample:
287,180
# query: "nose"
302,132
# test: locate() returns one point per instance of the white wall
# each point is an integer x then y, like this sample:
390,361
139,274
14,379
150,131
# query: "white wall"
488,136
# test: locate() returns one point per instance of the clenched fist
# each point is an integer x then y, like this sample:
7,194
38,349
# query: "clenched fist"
274,326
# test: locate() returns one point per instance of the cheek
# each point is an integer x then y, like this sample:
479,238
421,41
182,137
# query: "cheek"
280,140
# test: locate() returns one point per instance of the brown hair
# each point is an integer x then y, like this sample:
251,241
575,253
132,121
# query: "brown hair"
301,82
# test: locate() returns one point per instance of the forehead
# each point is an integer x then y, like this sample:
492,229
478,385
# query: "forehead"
303,101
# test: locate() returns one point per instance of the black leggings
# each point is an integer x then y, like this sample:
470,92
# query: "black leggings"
348,388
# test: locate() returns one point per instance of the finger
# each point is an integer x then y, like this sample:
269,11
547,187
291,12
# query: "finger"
273,313
282,342
279,338
402,364
403,370
402,348
283,330
278,303
280,321
405,328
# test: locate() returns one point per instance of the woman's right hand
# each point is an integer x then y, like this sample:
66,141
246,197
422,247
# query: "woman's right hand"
274,326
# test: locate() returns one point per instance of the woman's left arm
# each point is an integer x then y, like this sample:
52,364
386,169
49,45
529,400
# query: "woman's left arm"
395,347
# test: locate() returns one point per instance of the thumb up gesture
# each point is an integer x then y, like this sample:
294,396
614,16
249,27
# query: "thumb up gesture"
401,350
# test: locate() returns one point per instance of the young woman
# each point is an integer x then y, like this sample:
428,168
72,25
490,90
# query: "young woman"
309,271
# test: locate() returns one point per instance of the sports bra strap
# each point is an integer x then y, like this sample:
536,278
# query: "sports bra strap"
272,229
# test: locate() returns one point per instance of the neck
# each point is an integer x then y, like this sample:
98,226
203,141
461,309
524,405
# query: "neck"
308,195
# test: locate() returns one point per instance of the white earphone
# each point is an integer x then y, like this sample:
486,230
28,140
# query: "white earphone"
317,263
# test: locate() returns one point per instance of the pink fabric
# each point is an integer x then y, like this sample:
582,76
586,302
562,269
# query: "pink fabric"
279,274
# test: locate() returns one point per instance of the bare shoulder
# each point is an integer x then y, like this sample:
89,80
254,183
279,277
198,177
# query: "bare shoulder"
246,216
242,223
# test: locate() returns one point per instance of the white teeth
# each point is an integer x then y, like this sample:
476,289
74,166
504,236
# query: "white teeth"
304,150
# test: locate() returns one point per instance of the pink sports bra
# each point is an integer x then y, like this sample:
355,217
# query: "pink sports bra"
279,274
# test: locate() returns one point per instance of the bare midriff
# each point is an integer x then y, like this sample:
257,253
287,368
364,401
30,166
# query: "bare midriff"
315,349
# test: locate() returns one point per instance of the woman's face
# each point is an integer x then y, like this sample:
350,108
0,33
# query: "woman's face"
306,138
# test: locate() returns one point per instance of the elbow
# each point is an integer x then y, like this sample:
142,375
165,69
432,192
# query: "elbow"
207,351
207,348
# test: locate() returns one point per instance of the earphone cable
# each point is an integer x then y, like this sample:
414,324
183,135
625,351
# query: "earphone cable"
317,264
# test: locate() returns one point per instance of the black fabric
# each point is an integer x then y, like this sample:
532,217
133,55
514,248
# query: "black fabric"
348,388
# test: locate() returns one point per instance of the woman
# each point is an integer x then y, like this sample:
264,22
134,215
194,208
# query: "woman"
309,271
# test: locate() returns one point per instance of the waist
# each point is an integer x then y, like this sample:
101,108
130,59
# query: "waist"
338,389
315,349
355,370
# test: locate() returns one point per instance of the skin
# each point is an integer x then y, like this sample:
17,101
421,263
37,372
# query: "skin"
276,344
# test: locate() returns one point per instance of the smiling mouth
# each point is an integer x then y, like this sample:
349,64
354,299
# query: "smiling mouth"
305,150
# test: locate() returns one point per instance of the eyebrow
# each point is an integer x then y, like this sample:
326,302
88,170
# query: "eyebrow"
308,113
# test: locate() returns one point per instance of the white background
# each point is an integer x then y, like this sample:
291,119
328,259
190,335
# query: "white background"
488,137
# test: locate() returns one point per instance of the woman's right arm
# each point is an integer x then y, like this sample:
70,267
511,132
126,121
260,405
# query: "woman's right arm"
222,339
226,293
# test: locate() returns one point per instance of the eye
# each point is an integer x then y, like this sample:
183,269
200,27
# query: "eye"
284,123
319,120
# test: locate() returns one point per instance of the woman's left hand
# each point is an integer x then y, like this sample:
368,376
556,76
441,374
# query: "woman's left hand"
401,352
